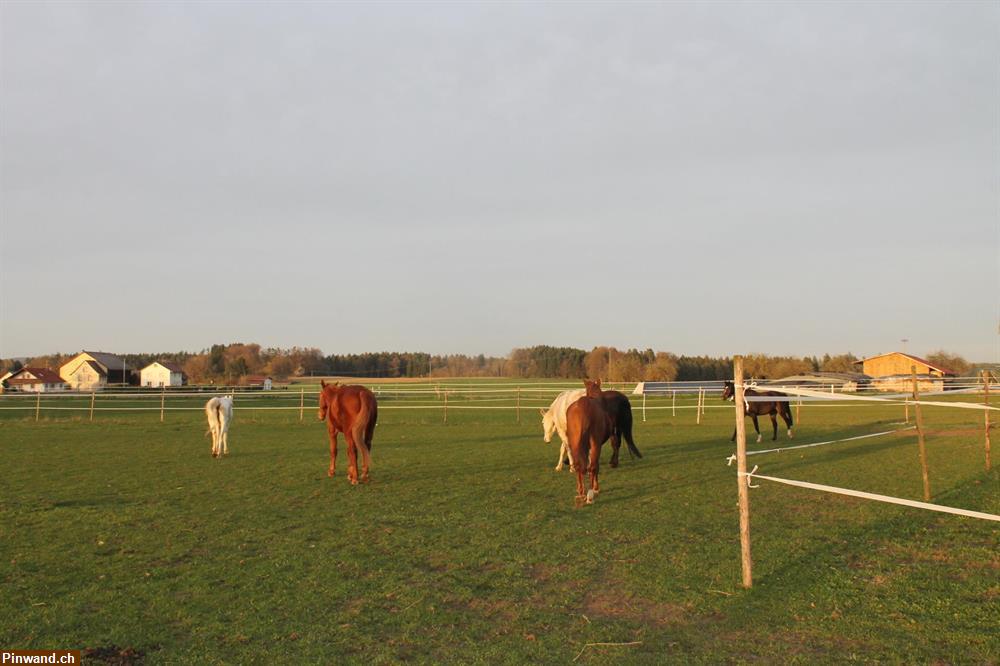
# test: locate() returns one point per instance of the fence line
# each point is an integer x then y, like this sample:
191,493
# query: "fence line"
872,496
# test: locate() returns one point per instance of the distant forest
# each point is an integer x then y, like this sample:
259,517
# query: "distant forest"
232,363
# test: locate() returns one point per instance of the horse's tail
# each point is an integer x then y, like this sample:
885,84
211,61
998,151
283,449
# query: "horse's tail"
364,424
212,412
626,429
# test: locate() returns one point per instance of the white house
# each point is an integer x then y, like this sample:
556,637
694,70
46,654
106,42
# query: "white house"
35,380
161,373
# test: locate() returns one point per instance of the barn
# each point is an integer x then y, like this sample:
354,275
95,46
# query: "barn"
894,372
162,373
89,371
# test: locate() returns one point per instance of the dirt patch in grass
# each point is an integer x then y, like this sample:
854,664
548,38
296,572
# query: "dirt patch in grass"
611,603
112,654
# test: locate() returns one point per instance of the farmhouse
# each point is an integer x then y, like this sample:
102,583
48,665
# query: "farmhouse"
89,371
162,373
34,380
894,372
259,382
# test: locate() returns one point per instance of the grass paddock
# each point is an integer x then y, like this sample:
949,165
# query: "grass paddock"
124,536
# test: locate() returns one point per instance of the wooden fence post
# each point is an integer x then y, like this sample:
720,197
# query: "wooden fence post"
741,479
93,397
673,403
302,402
446,405
920,435
906,410
38,404
697,408
798,411
986,401
643,406
163,401
519,405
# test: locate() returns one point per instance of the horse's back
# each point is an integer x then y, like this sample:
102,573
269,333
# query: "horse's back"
356,403
561,404
587,416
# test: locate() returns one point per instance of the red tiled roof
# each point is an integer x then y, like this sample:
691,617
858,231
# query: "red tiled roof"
44,375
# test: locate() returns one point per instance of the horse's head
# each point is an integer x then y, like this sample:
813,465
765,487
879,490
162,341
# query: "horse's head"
324,399
593,388
728,391
548,423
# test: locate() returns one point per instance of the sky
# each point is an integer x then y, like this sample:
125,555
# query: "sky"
703,178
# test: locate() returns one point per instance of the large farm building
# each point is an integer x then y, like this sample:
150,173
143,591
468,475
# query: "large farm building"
894,372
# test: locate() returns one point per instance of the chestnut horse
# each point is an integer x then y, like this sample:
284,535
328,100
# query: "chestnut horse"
754,409
353,411
588,426
619,408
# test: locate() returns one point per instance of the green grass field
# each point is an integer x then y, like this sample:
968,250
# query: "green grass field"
124,536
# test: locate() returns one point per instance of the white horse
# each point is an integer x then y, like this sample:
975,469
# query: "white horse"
220,414
554,419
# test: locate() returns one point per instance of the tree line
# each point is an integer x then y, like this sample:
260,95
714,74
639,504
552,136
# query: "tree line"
233,363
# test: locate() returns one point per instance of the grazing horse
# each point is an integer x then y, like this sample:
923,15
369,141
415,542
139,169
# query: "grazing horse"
220,414
588,426
755,409
619,408
353,411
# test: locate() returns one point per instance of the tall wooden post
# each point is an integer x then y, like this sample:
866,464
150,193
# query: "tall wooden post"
38,404
741,478
643,406
519,405
163,401
798,412
93,397
920,435
986,401
673,403
906,411
446,405
697,409
302,402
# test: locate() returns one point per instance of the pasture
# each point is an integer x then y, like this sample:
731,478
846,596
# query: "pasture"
125,536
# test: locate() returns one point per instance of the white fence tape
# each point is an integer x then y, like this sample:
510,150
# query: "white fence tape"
872,496
846,397
730,459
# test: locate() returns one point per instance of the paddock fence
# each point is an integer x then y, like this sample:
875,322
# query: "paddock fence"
518,399
915,400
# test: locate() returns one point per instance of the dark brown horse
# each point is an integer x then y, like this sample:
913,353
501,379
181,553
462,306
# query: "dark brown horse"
588,426
755,409
620,410
353,411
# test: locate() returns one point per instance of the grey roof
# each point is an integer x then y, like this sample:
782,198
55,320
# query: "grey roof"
109,361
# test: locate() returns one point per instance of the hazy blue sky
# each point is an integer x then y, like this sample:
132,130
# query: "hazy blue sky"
698,178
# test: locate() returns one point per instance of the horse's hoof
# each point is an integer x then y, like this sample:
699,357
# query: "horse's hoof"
790,434
590,496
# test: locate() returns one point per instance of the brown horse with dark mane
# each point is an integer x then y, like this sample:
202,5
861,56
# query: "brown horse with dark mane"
588,426
353,411
760,408
620,410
